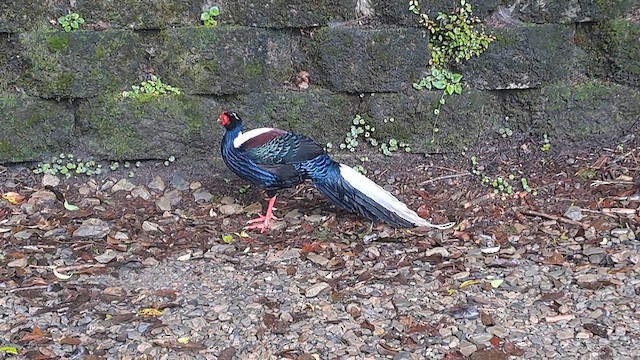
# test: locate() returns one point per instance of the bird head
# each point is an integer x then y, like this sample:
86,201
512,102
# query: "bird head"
229,120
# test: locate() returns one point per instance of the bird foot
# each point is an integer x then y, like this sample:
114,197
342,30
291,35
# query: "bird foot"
262,222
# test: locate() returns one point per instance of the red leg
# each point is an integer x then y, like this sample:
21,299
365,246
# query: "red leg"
262,221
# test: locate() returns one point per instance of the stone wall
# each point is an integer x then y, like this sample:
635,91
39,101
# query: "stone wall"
569,69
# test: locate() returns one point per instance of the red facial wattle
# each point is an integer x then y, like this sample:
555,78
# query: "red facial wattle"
224,119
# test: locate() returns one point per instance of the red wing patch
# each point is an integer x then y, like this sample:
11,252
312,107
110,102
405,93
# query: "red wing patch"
262,139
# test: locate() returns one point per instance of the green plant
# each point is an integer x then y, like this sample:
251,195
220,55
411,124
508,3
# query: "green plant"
208,17
360,127
440,79
546,144
454,37
154,86
244,189
70,22
68,165
499,184
505,132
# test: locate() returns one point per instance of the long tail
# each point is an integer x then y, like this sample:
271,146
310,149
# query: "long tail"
353,191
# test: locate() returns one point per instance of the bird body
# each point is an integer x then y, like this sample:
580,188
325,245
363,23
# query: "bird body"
274,159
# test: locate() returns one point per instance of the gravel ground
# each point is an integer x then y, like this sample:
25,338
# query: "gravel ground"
159,268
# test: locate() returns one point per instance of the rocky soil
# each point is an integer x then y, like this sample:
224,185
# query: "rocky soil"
157,266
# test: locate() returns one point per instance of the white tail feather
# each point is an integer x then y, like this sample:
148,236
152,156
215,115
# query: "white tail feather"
385,198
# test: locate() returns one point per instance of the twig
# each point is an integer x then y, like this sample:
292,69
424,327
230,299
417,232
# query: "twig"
445,177
554,217
34,287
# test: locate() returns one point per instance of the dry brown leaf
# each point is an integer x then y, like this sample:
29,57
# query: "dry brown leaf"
13,197
37,335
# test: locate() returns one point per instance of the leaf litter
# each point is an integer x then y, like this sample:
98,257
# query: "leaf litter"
522,268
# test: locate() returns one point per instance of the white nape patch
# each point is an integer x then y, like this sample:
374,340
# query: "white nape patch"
244,137
384,198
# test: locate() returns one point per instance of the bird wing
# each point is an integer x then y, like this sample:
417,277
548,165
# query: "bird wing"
268,146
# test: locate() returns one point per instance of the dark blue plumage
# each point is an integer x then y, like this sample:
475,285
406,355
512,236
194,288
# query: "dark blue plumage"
273,159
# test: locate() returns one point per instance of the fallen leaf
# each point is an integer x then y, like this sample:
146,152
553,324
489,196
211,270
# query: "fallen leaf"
496,283
184,257
70,341
150,312
467,283
61,276
183,340
13,197
227,238
37,335
70,206
9,350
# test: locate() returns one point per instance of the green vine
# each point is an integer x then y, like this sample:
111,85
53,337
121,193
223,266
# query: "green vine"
454,37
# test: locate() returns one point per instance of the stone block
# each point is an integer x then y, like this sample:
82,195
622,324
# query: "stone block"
287,14
584,115
613,50
463,118
569,11
397,12
324,116
21,15
523,57
356,60
33,128
79,64
223,60
146,126
10,62
140,15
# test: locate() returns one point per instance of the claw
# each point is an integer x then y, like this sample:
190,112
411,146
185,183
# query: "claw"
262,221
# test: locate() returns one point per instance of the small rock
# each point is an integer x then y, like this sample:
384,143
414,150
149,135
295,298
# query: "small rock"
119,235
122,184
157,184
314,219
50,180
583,335
564,334
168,200
446,331
144,346
141,192
574,213
593,250
150,262
437,251
278,225
106,257
467,348
202,195
92,228
253,208
179,183
18,263
195,185
499,331
227,200
23,235
84,190
316,289
318,259
149,226
231,209
480,339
